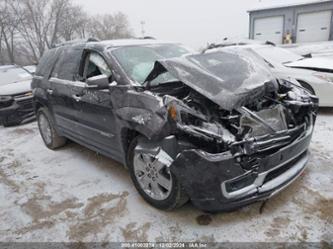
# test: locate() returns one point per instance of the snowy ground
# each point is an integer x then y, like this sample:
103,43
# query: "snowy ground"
73,194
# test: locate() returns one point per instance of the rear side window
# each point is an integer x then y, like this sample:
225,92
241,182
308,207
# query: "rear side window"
46,62
68,63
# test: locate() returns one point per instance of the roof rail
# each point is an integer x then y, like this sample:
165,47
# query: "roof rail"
72,42
92,39
270,43
147,38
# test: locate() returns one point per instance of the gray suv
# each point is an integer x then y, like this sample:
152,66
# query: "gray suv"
216,128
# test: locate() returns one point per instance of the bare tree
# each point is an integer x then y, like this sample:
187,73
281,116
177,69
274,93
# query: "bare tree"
39,23
109,26
73,24
29,27
8,28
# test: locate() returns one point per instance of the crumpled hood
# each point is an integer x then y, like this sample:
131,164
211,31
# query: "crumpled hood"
313,63
15,88
230,78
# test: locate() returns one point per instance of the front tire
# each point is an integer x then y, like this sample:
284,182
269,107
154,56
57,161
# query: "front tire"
154,181
47,130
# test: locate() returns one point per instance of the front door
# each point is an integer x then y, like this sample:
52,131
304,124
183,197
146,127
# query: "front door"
96,120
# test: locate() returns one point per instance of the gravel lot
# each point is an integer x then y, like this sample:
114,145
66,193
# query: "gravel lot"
73,194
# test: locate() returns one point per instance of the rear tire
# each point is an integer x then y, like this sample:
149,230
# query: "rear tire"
47,130
175,197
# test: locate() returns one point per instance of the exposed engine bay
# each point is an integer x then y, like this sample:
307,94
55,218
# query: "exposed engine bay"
262,126
231,134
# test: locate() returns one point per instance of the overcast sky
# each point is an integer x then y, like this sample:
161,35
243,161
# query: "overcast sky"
192,22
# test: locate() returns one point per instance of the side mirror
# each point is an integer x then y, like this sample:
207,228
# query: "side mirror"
98,82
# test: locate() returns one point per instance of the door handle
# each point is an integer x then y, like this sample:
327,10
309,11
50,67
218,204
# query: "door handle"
49,91
76,97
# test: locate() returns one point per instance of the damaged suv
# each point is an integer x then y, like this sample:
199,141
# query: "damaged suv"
216,128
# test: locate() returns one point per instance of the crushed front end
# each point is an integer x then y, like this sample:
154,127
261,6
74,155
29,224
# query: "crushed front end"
227,159
225,126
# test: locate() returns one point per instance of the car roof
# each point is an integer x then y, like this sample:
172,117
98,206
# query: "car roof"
130,42
107,44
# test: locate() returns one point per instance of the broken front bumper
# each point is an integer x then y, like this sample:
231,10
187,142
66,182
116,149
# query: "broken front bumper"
216,182
17,110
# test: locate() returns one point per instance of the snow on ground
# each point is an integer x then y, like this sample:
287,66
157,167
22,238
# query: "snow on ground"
73,194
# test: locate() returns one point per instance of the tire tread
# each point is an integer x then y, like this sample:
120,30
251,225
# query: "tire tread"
57,141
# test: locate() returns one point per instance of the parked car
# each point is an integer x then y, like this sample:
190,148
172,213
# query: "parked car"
315,74
313,49
15,95
216,128
31,69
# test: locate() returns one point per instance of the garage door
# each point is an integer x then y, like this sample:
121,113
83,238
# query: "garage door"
312,27
269,29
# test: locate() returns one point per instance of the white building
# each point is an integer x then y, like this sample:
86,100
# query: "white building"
305,22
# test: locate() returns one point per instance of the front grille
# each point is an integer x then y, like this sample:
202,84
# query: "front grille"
279,171
275,143
24,101
22,95
25,104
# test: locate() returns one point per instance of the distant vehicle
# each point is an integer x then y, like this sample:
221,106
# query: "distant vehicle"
315,74
217,128
15,95
31,69
313,49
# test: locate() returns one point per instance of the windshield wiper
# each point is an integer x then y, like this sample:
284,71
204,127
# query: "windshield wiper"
219,45
148,85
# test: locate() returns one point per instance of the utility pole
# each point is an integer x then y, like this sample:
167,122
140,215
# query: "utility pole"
143,32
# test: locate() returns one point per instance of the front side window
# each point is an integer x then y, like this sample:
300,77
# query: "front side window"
96,65
138,61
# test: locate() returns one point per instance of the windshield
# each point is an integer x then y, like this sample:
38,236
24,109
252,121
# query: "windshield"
13,74
138,61
277,55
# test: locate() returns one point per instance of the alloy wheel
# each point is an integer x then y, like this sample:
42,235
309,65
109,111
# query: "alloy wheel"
153,176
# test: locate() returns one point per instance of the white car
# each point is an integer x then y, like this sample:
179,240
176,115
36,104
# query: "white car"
315,74
15,95
315,49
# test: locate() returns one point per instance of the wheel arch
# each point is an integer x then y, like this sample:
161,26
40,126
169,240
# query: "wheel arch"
127,135
39,104
307,86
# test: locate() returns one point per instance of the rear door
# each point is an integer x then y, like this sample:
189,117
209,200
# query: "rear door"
315,26
64,89
269,29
